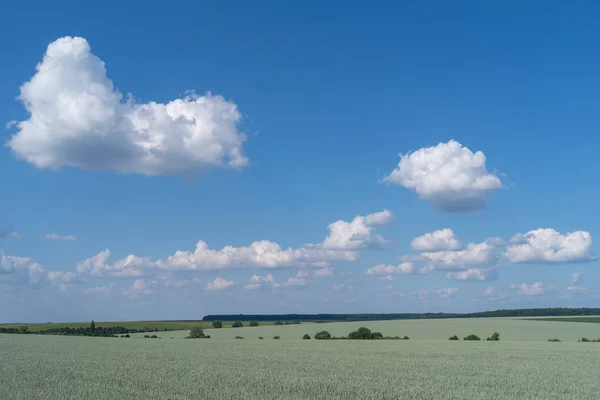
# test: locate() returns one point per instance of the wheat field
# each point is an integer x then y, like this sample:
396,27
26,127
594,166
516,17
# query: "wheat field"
64,367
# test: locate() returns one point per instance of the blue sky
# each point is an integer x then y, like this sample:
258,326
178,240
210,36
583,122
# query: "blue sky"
254,128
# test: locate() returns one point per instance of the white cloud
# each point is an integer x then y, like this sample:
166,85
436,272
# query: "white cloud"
127,267
219,284
549,246
299,281
77,119
63,280
260,282
447,292
443,239
54,236
11,235
472,274
324,273
358,233
385,269
260,254
386,278
474,255
534,289
18,270
576,277
450,176
102,290
577,289
183,283
140,287
490,291
338,286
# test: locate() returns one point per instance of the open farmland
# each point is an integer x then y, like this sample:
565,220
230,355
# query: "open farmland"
426,329
59,367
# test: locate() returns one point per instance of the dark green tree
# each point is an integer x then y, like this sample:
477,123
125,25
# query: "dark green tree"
494,338
361,333
306,337
237,324
217,324
323,335
196,333
472,337
454,337
253,323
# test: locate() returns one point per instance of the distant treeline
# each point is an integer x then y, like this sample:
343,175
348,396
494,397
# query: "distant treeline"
91,330
526,312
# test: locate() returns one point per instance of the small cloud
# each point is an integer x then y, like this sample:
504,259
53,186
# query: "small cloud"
54,236
472,274
577,289
100,290
534,289
324,273
219,284
576,277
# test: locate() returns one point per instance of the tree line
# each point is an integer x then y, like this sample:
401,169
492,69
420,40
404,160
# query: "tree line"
91,330
526,312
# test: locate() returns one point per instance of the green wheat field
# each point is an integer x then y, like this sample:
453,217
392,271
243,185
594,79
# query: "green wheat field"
523,365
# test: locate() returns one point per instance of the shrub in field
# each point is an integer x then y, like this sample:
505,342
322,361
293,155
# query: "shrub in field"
376,335
275,337
405,338
278,323
494,338
217,324
146,336
323,335
153,337
361,333
237,324
554,340
239,337
196,333
306,336
586,340
205,337
453,337
472,337
254,323
127,335
260,337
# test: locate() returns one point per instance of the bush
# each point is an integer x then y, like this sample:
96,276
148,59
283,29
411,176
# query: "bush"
494,338
405,338
306,336
275,337
323,335
217,324
237,324
453,337
127,335
585,340
472,337
146,336
239,337
278,323
196,333
205,337
361,334
153,337
260,337
376,336
254,323
554,340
